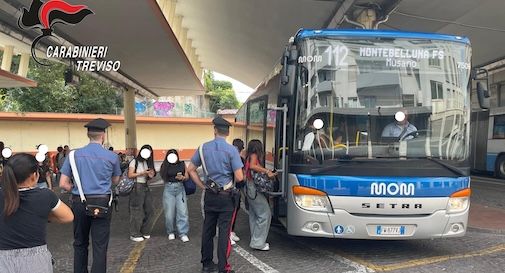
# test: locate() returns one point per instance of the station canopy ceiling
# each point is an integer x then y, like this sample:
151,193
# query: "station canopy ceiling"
244,39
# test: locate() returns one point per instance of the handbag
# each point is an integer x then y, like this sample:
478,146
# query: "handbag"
189,186
126,184
262,182
94,210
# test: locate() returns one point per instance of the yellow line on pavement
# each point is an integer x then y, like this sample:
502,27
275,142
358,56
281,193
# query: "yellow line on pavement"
131,263
429,260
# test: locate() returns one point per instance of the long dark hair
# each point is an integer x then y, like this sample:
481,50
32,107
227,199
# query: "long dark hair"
255,147
167,170
150,160
16,171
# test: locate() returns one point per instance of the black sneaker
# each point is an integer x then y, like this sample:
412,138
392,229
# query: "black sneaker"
210,268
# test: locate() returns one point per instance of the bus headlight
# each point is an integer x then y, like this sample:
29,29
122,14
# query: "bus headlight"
459,201
312,199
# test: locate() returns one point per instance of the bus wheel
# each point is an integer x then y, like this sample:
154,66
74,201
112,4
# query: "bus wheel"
500,167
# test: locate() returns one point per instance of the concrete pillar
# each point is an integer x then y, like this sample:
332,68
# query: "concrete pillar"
192,55
367,17
171,12
177,27
161,3
130,121
7,58
166,8
24,63
183,38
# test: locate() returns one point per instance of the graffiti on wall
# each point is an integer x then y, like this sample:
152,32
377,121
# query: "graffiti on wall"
165,109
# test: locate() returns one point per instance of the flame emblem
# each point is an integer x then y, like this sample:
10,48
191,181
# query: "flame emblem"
44,15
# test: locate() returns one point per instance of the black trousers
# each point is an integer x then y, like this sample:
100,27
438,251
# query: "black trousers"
219,211
100,231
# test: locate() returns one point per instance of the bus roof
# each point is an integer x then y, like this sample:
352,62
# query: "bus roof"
308,33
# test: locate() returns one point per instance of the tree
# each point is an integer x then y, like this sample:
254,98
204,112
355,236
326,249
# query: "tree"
221,93
52,95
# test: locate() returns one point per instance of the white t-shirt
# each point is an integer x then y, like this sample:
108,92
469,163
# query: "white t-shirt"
142,166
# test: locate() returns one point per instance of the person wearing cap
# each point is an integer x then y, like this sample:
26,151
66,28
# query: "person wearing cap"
222,167
98,168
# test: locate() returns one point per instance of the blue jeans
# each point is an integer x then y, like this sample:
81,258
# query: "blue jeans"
176,208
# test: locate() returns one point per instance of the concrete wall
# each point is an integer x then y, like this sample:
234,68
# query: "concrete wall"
22,132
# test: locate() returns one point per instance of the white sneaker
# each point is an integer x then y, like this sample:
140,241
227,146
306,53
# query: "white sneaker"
232,242
184,238
234,237
171,236
266,247
146,236
137,239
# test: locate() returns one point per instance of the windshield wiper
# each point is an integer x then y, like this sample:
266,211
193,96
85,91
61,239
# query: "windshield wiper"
447,166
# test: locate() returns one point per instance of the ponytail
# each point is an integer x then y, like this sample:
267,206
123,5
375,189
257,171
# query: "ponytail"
10,191
16,171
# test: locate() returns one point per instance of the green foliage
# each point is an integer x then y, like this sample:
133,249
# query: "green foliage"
221,93
51,95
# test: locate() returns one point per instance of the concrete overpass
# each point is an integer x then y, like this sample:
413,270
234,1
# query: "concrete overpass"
164,45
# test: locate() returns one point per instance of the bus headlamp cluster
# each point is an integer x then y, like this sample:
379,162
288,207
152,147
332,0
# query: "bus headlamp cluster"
312,199
459,201
457,204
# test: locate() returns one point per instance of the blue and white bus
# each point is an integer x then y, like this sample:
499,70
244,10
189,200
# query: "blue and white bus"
488,141
369,131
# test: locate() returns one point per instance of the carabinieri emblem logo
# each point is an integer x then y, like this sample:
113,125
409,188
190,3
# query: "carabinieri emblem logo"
44,15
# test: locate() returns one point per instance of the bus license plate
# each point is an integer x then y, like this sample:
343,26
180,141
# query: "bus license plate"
391,230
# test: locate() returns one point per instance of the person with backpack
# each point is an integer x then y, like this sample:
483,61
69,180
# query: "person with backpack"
25,210
260,214
141,202
45,176
174,174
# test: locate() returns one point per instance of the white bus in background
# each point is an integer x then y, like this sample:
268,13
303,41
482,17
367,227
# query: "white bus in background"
488,141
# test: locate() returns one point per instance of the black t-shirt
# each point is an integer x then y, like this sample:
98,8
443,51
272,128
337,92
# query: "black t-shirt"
27,226
172,170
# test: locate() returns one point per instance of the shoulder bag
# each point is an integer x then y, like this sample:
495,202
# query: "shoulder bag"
95,211
126,184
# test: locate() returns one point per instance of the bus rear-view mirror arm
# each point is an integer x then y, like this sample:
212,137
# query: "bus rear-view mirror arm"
483,96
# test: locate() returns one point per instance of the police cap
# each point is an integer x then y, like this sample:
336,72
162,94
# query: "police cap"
221,123
97,125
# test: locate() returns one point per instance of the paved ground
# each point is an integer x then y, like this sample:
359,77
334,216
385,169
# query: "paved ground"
482,250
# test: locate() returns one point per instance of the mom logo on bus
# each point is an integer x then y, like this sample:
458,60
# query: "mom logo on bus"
392,189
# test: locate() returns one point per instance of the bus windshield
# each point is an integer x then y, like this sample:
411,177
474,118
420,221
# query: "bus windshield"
381,98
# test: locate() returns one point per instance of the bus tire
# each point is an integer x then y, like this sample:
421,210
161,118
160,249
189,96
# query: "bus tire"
500,167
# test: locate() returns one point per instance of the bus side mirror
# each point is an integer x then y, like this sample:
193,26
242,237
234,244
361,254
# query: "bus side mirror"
288,71
483,96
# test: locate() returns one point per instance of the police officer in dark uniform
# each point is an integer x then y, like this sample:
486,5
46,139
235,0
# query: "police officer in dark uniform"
97,168
223,165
